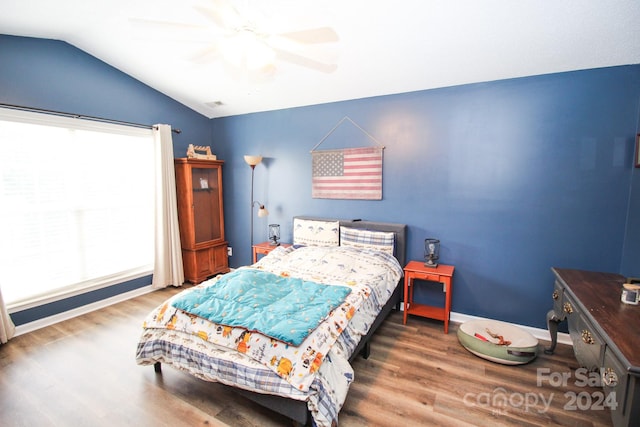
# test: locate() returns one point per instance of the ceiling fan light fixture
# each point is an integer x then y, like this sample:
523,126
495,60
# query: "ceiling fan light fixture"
247,50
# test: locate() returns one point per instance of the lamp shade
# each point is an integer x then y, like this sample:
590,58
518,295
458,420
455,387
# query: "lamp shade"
274,234
431,252
262,211
252,160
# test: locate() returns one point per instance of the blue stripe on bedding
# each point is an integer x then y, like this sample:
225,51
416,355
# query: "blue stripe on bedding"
224,371
227,372
284,308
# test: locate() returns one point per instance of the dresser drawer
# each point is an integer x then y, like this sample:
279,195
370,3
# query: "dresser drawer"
419,275
614,384
558,300
588,345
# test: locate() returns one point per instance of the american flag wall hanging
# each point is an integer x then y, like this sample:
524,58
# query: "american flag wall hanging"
347,173
350,173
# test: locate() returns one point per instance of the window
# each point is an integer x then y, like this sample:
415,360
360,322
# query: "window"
76,206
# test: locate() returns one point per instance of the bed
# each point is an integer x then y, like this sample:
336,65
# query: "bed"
300,370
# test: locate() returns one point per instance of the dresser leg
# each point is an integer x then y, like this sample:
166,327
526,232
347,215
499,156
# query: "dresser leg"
552,325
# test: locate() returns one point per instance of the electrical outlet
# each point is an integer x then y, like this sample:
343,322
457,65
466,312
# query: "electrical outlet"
229,251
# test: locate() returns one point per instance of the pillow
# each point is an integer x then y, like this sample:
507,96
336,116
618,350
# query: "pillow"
379,240
315,233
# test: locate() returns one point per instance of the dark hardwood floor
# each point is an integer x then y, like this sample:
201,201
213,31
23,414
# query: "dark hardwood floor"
82,372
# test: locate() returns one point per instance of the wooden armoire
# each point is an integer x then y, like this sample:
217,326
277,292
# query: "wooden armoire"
201,217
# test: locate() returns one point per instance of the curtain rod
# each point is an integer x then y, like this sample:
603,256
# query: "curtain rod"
80,116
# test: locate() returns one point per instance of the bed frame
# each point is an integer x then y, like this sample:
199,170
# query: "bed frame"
297,410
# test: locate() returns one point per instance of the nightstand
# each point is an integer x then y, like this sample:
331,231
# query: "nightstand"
264,248
440,274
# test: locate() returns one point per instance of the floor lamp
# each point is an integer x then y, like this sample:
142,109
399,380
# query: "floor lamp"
262,211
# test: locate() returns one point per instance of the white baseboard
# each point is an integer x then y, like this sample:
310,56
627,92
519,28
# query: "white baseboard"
66,315
541,334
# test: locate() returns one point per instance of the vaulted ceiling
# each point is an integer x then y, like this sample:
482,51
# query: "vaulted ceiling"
229,57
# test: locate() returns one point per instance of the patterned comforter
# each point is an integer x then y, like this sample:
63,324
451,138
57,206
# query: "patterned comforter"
317,371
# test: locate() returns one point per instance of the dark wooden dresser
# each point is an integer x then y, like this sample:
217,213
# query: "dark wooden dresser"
605,333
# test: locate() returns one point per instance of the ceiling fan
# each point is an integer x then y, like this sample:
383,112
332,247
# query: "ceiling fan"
244,41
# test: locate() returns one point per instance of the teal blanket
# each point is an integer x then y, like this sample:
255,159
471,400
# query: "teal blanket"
284,308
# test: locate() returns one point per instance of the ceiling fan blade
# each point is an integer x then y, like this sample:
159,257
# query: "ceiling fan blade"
206,55
305,62
314,35
222,14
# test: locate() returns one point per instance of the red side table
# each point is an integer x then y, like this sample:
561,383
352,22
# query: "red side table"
441,274
264,248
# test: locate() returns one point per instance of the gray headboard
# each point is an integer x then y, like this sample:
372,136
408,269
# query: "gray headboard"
400,231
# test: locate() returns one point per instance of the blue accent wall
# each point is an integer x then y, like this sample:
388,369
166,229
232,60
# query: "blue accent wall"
514,176
631,249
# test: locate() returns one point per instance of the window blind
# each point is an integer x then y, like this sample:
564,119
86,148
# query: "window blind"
76,201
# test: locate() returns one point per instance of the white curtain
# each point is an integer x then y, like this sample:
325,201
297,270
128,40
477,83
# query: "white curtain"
168,268
7,329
